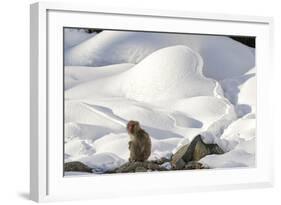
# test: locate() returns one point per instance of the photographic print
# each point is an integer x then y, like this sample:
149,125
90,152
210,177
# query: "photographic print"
146,101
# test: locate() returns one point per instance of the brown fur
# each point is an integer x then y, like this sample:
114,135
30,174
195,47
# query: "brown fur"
139,144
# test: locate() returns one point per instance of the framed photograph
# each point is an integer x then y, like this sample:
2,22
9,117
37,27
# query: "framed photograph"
129,102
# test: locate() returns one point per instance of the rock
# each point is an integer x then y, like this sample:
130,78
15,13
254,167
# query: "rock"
194,151
177,161
76,166
167,165
199,149
161,160
139,167
194,165
178,164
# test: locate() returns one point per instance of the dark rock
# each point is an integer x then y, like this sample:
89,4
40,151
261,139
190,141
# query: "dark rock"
177,161
161,161
76,167
215,149
194,151
139,167
178,164
194,165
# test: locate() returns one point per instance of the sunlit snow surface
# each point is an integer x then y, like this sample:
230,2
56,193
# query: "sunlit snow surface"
175,85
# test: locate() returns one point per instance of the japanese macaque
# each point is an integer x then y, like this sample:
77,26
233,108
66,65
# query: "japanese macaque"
139,144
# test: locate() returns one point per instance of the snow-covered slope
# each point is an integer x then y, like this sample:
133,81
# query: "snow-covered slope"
114,47
169,73
242,92
75,75
175,85
73,37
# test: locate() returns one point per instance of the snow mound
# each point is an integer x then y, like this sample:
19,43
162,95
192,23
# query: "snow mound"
169,73
239,142
73,37
223,57
248,93
234,158
176,85
83,114
115,143
241,129
102,162
75,75
241,91
206,109
84,131
78,148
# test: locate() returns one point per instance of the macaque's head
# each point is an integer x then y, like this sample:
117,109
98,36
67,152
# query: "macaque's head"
133,127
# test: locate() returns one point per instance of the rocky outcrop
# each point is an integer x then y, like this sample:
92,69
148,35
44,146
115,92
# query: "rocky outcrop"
147,166
194,151
76,167
186,158
194,165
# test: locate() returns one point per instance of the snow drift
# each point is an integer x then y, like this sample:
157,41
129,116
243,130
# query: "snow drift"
73,37
169,73
176,85
114,47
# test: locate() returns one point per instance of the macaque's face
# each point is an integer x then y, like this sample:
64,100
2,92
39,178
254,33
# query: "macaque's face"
132,126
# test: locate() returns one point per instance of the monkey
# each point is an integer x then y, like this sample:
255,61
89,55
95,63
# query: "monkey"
140,142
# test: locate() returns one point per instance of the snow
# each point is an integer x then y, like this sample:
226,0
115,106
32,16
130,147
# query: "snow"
75,75
176,85
241,91
238,140
169,73
102,162
73,37
113,47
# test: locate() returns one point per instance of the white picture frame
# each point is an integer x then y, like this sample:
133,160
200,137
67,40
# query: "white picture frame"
46,166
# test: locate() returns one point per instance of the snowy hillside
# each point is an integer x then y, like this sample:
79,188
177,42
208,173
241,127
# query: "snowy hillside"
175,85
